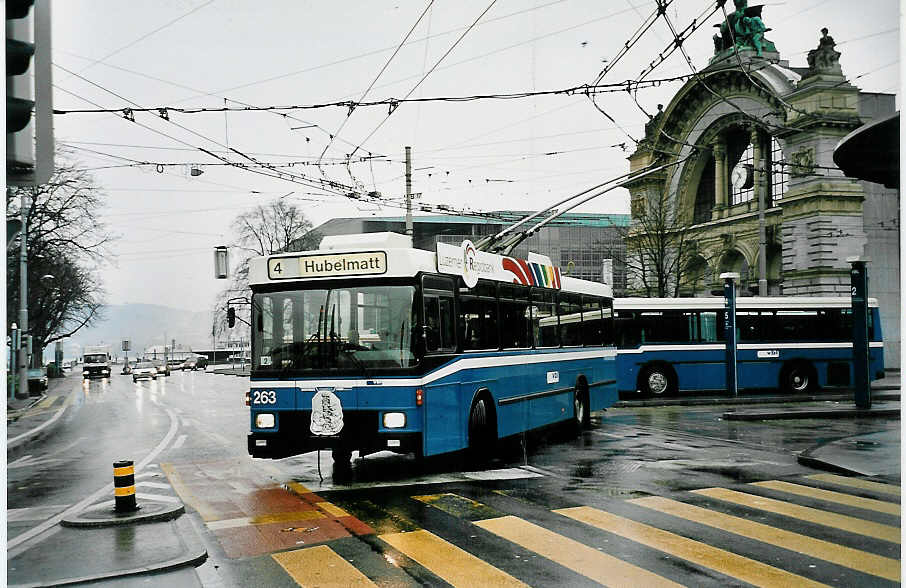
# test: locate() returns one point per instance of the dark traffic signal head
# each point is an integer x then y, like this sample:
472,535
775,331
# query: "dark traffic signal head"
29,147
231,317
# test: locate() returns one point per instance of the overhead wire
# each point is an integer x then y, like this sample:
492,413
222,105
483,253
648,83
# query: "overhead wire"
425,76
145,36
376,78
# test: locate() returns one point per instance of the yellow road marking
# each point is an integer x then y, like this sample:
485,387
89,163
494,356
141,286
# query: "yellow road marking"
332,509
459,506
805,513
205,510
320,566
451,563
282,517
830,496
725,562
857,483
585,560
297,488
862,561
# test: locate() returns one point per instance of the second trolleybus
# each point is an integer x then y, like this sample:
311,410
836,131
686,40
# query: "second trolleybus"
796,344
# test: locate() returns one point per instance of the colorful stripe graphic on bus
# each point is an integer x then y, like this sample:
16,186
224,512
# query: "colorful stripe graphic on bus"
530,273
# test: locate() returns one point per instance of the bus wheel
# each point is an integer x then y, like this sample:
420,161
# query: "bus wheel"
798,378
581,416
657,380
480,431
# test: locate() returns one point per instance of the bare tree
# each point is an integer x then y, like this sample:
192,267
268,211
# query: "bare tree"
266,229
65,242
659,251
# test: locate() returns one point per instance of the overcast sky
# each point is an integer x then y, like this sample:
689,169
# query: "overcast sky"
481,155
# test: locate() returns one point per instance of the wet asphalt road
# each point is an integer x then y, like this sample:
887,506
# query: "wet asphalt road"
550,509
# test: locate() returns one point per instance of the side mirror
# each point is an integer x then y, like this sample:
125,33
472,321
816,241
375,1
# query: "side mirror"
231,317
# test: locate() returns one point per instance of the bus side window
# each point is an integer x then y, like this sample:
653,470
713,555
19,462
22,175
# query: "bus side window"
439,327
594,322
515,317
544,319
708,324
569,307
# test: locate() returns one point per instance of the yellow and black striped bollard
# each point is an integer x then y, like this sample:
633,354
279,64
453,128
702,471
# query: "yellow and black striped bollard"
124,486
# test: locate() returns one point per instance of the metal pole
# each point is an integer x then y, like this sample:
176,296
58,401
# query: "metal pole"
730,329
861,350
22,390
409,190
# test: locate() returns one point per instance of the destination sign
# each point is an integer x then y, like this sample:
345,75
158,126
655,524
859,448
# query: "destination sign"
360,263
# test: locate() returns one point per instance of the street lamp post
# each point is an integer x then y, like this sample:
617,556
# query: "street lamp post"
22,389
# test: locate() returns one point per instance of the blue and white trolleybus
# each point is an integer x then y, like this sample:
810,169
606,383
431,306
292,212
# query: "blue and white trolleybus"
368,344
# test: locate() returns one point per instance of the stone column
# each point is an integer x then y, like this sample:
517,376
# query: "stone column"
719,150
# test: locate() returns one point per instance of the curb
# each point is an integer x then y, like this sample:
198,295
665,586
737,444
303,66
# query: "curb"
812,414
103,515
818,464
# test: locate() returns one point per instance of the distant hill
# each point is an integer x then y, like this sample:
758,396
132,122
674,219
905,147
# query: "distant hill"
143,325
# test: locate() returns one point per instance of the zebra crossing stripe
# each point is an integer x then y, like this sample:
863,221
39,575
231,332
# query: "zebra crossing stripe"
830,496
805,513
449,562
725,562
320,566
862,561
856,483
587,561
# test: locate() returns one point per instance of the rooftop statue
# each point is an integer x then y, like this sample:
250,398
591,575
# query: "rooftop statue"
743,29
824,59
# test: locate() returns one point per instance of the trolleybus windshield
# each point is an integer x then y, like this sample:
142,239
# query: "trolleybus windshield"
343,330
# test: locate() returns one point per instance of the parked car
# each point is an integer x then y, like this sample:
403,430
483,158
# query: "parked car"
175,364
37,381
144,370
201,362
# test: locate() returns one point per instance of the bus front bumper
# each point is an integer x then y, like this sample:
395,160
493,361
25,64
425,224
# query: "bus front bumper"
280,445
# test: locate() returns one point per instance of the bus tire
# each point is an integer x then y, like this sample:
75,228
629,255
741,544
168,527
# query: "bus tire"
798,378
581,413
482,432
657,380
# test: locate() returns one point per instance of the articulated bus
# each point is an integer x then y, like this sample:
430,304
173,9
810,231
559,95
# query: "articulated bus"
796,344
368,344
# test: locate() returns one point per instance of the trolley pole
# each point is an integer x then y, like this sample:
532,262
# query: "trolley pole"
859,289
729,279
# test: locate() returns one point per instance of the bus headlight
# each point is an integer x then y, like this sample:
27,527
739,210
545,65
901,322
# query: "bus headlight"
394,420
264,420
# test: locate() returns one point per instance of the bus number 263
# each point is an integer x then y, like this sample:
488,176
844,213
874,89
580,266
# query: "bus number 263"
264,397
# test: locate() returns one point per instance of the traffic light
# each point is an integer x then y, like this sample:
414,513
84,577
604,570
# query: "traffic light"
231,317
29,139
